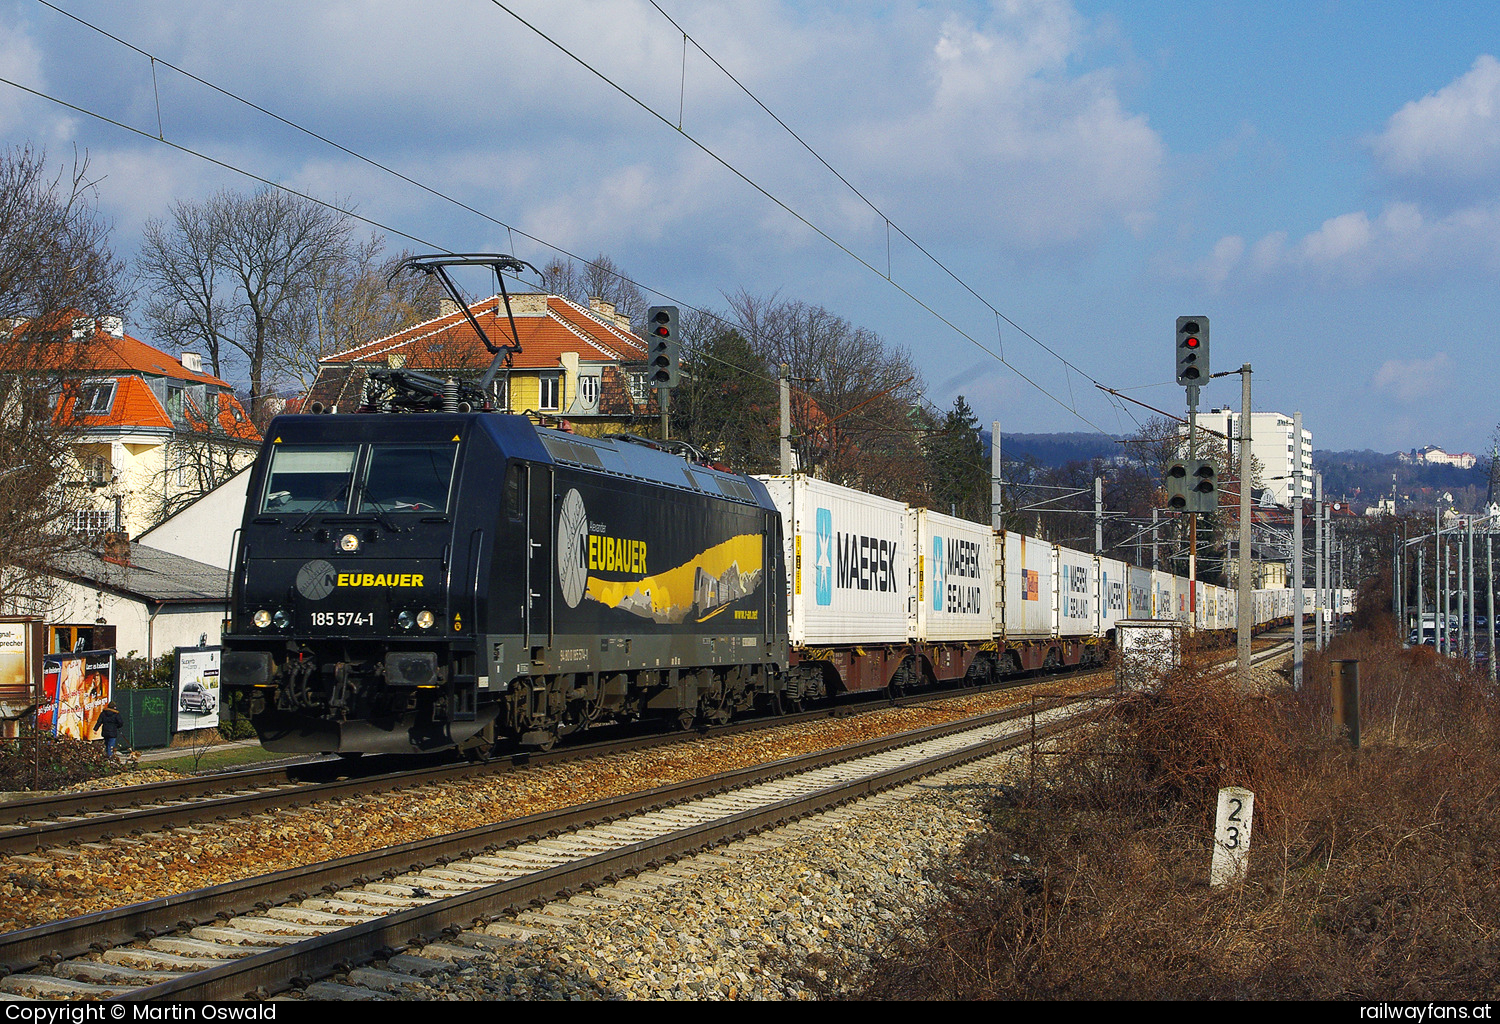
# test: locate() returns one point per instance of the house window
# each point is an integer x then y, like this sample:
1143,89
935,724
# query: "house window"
640,390
174,404
550,394
89,522
95,398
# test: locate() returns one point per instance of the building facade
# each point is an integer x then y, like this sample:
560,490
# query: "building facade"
1272,444
576,363
148,432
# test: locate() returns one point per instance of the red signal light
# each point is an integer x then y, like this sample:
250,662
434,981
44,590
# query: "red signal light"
1191,343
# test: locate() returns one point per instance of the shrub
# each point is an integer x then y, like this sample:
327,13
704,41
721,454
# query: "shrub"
1372,872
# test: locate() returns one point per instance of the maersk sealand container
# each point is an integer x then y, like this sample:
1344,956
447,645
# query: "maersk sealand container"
955,578
851,575
1077,593
1114,576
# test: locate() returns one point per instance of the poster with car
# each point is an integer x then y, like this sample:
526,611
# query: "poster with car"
75,689
197,688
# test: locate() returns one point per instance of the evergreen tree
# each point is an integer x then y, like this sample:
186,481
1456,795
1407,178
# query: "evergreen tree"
958,466
727,404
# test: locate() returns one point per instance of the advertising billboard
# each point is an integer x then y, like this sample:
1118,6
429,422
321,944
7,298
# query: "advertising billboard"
197,688
75,688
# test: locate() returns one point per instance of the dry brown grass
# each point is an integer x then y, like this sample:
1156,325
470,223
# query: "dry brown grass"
1373,873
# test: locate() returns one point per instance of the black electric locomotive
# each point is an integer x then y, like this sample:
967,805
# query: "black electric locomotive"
412,582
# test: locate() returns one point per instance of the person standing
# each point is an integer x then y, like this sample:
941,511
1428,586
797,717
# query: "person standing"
109,724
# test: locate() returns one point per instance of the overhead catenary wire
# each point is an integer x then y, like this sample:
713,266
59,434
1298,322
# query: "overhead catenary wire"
512,231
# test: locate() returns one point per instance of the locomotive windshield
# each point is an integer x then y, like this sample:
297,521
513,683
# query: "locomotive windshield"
392,478
303,478
408,478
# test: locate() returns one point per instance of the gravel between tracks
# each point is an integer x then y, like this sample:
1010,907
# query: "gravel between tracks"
757,920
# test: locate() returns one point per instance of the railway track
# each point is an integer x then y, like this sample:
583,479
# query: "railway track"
254,936
34,824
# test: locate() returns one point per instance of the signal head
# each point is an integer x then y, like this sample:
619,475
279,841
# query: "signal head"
1192,350
663,349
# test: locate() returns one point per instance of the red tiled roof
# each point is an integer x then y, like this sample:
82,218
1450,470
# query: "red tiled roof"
128,362
449,342
103,353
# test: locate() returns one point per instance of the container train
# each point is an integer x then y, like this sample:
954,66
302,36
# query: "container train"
415,582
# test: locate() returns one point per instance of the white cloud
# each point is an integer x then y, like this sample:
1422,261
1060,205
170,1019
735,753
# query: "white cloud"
1409,381
1399,244
1006,140
1451,136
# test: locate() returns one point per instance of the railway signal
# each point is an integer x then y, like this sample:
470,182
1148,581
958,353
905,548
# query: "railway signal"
664,348
1192,485
1177,486
1203,486
1192,350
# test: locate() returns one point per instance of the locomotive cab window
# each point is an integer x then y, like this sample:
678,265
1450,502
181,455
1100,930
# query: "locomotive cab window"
408,478
305,479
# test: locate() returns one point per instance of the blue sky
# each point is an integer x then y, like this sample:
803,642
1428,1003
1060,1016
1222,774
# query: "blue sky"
1322,180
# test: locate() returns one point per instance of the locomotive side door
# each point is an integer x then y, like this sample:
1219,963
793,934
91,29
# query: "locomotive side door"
541,537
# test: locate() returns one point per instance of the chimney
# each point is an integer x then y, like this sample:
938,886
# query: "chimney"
192,361
117,547
447,307
114,326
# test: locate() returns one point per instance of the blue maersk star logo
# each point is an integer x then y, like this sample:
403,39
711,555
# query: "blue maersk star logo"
823,558
939,573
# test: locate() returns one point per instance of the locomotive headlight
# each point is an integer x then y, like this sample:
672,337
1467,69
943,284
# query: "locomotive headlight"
281,618
262,618
404,619
349,543
424,619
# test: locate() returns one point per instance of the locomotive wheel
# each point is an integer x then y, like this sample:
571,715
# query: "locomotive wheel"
687,719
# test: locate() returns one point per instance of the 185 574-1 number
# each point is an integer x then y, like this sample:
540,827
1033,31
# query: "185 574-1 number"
343,618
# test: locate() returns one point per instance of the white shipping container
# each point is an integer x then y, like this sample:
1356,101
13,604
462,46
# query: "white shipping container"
955,578
1030,584
1077,593
851,576
1139,596
1114,577
1163,595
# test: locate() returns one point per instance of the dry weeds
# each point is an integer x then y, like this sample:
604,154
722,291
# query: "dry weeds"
1373,872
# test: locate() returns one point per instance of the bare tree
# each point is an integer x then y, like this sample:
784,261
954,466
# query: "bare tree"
56,268
54,245
235,272
599,279
352,302
856,419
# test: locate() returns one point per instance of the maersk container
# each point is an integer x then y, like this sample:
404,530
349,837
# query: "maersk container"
1228,602
1114,578
1138,596
851,576
1163,595
1029,588
1077,593
955,578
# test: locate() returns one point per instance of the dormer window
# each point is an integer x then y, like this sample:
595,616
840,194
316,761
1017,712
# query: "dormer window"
95,398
